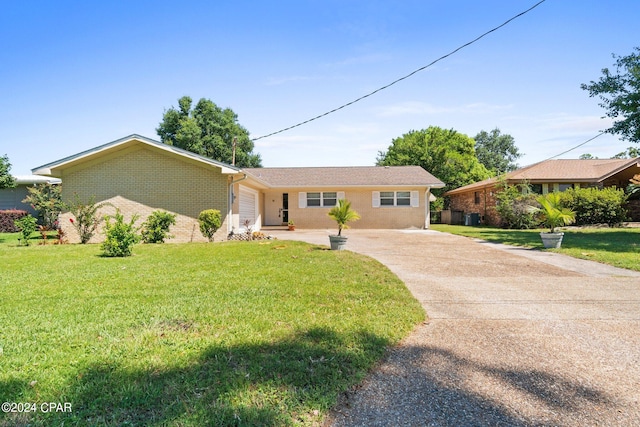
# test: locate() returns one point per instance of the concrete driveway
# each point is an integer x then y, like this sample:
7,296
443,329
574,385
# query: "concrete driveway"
514,337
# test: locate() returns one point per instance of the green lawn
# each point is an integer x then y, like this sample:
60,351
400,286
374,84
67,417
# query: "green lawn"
235,333
619,247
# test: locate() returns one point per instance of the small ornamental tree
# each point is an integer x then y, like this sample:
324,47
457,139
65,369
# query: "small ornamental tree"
514,205
26,225
210,221
46,199
120,236
86,216
343,214
156,228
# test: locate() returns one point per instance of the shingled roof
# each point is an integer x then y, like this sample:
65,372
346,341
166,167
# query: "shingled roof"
352,176
560,170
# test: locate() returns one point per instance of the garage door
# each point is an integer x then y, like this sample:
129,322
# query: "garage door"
248,208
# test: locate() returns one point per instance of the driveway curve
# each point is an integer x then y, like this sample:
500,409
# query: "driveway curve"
514,337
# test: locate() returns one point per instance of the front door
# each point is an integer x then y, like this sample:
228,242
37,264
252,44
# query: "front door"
285,208
276,208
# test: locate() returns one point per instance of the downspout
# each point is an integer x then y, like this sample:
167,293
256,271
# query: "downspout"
230,203
427,208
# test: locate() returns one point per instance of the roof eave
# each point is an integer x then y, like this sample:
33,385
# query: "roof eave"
53,168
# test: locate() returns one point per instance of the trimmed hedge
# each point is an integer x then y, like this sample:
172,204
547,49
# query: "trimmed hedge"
596,206
8,217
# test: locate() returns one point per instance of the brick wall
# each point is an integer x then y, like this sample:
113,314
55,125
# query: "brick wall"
142,179
466,202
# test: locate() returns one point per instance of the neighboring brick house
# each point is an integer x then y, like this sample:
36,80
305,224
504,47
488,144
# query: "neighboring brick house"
545,177
139,175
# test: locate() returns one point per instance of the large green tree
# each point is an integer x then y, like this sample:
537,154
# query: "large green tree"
448,155
208,130
620,95
497,152
6,179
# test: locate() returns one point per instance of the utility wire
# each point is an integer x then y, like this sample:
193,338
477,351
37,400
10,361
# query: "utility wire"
404,77
577,146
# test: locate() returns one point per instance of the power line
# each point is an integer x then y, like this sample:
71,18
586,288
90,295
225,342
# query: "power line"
404,77
577,146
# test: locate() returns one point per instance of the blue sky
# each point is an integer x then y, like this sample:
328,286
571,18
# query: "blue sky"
75,75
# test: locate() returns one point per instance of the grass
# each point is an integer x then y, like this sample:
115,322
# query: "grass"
236,333
619,247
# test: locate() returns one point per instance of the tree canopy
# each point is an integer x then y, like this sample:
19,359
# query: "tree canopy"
448,155
497,152
6,179
629,153
208,130
620,95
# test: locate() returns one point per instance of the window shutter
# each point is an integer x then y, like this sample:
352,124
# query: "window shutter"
375,199
302,200
340,195
415,199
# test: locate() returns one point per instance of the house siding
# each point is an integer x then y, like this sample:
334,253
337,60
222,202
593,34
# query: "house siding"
141,179
11,198
361,201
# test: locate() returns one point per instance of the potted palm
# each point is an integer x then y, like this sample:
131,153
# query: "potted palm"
554,215
292,225
342,214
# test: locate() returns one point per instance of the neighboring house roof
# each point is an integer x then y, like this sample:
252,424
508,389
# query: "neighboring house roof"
53,168
35,179
559,170
348,176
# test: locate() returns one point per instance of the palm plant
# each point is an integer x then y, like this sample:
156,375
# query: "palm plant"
342,214
553,214
634,188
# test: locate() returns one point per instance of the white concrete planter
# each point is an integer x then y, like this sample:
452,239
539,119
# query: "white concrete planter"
552,240
338,243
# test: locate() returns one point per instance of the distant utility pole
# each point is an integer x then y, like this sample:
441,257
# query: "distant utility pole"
233,157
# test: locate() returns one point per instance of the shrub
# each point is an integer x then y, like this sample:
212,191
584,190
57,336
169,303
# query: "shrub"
7,220
86,216
596,206
516,210
156,228
120,236
47,200
26,225
210,221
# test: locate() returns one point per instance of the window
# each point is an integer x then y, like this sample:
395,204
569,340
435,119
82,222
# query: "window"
476,197
329,199
387,198
536,188
395,198
313,199
320,199
403,198
564,187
